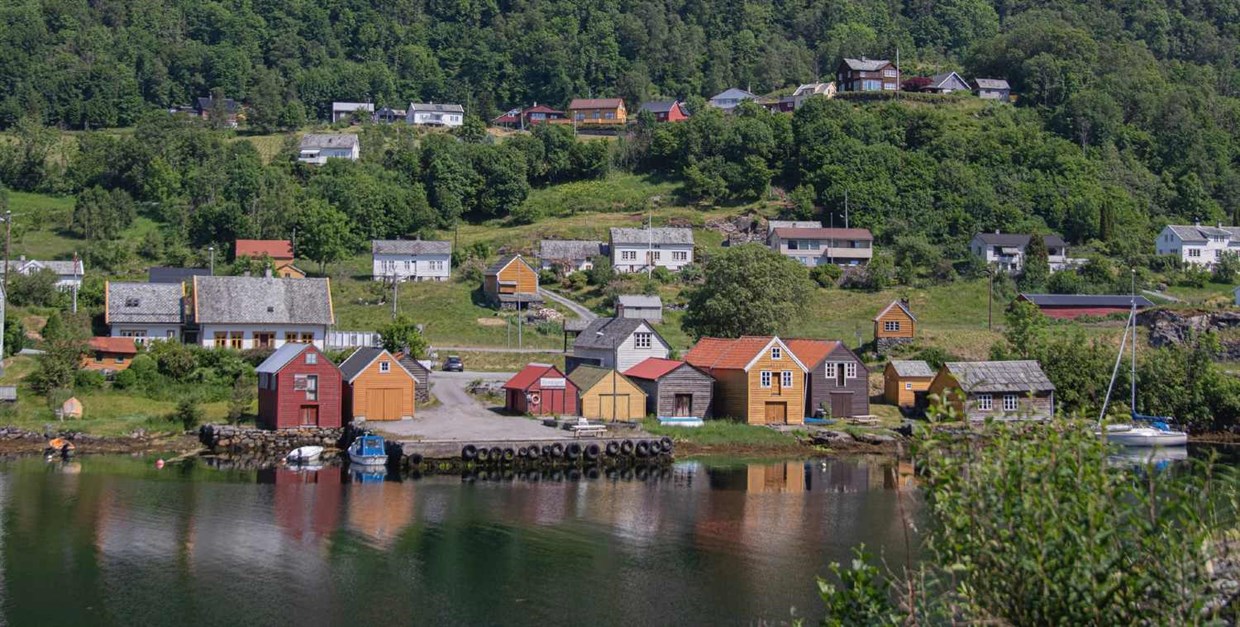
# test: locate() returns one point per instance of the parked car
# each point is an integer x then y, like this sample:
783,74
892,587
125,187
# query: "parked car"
453,364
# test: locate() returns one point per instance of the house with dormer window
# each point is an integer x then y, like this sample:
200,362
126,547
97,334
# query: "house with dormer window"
144,311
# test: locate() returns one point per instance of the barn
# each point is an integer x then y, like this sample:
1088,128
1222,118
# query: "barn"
298,386
377,386
1071,306
541,390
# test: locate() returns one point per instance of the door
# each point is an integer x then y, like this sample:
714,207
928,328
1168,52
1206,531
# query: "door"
391,404
264,339
683,406
841,404
839,375
383,404
776,413
310,415
614,406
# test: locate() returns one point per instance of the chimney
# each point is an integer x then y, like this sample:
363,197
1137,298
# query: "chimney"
996,231
904,301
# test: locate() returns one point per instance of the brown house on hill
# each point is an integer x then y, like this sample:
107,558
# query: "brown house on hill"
596,112
280,251
109,354
894,325
511,283
377,386
838,383
867,75
905,382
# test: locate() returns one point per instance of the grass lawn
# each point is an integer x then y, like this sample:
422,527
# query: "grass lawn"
105,413
723,434
503,362
1211,293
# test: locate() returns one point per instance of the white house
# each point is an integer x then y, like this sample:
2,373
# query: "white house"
608,341
345,111
638,250
411,260
1196,244
144,311
818,246
316,149
68,273
242,312
571,255
431,114
809,90
1006,251
730,99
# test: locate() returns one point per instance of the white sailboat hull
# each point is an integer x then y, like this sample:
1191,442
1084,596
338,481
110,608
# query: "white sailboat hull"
1146,437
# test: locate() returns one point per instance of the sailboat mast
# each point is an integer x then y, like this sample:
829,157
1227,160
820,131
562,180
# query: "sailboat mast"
1133,315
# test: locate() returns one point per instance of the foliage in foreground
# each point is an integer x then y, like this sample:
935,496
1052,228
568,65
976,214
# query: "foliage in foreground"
1030,526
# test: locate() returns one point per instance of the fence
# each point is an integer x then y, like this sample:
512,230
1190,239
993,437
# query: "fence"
337,340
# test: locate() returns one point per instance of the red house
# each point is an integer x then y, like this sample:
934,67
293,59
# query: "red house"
298,386
1070,306
666,110
541,390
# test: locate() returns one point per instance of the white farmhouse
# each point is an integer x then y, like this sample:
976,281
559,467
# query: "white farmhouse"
411,260
345,111
242,312
144,311
68,273
1196,244
607,342
431,114
639,250
1006,251
316,149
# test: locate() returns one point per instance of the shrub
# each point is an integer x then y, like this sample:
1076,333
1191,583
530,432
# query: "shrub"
88,380
187,412
601,273
826,275
662,275
548,277
576,281
175,360
691,274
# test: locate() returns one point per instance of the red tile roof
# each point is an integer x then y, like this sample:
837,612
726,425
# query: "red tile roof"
720,353
274,248
542,109
530,375
595,103
811,352
653,368
123,345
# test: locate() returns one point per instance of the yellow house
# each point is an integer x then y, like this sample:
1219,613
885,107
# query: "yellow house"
902,380
604,394
756,378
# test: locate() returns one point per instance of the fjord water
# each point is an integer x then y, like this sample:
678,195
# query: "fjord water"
114,541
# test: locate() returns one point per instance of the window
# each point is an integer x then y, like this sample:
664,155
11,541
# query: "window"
628,255
131,302
830,367
436,265
850,370
385,366
889,86
98,358
1194,252
765,380
891,326
312,357
307,338
641,340
871,85
312,387
785,379
172,334
290,337
985,402
890,73
120,359
680,255
908,386
221,339
1010,403
234,339
777,352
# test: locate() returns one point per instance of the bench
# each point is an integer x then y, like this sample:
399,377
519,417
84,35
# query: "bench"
585,428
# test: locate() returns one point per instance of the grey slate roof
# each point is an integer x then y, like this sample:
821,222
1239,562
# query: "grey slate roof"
733,93
1000,376
344,107
664,235
441,108
614,332
410,247
281,357
320,141
991,83
937,80
62,268
639,301
1019,240
1085,300
578,325
230,105
262,300
155,303
569,249
174,275
1198,233
658,106
866,65
912,368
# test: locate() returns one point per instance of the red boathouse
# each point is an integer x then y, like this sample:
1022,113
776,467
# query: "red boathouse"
541,390
1070,306
298,386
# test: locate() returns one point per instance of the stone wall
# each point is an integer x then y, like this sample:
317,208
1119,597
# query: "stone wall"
230,439
885,344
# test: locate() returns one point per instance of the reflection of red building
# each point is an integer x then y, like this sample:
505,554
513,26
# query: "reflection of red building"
306,502
380,511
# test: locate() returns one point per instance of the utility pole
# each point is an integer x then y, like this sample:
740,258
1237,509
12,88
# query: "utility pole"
395,292
519,303
845,208
649,244
75,281
990,299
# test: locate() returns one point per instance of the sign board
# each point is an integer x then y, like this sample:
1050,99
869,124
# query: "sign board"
552,383
300,382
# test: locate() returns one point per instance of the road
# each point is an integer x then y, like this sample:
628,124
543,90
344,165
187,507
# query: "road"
444,351
582,311
461,417
1161,295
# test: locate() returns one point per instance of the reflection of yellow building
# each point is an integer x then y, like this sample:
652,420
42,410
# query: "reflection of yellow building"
775,478
380,511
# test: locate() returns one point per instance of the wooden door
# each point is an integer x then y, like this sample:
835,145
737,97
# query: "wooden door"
776,413
614,406
391,404
683,405
841,404
310,415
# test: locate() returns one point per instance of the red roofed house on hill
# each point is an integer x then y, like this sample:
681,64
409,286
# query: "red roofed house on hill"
109,354
280,251
541,390
673,388
838,383
757,379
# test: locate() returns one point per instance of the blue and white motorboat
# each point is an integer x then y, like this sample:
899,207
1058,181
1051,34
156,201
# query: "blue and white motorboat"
368,450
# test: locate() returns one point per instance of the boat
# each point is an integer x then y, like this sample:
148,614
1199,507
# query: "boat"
304,454
368,450
1143,431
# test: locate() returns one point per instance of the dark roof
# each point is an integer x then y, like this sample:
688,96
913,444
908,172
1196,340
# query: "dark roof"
991,83
153,303
937,80
658,106
569,249
410,247
174,275
503,262
230,105
866,65
415,367
614,332
262,300
999,376
283,355
1019,240
360,360
1086,300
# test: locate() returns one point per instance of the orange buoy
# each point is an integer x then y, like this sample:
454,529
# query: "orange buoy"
159,463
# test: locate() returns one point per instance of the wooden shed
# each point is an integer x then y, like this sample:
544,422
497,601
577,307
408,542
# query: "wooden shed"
541,390
894,325
377,386
673,388
109,354
298,386
1003,390
604,394
837,382
757,379
904,381
511,282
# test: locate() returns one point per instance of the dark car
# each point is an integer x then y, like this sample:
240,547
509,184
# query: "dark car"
453,364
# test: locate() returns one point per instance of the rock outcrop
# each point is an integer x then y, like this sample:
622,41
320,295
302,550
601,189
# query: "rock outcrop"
1172,328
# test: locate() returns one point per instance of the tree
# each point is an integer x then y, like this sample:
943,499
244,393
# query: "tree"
324,234
100,214
243,393
37,289
473,130
403,335
63,347
1025,327
14,336
1037,266
749,290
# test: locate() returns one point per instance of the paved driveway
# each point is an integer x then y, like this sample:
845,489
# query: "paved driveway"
459,416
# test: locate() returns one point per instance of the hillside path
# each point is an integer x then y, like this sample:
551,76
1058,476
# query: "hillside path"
582,311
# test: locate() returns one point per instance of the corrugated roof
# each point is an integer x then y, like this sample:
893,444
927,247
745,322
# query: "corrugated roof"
281,357
653,367
663,235
569,249
274,248
896,303
1000,376
639,300
821,233
912,368
122,345
866,65
262,300
531,374
811,352
410,247
1086,300
155,303
320,141
595,103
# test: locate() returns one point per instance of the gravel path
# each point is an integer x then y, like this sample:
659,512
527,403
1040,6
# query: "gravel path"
460,417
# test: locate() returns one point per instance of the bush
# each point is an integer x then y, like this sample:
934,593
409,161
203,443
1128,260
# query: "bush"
662,275
576,281
188,413
88,380
826,275
548,277
691,274
602,272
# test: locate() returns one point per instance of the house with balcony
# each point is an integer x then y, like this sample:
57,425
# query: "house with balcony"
529,116
431,114
817,246
867,75
411,260
317,148
1196,244
640,250
1006,251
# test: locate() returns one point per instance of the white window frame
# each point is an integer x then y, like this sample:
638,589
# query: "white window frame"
385,366
891,326
785,379
312,357
642,340
1011,402
777,352
908,385
628,255
850,370
830,369
985,402
764,379
680,255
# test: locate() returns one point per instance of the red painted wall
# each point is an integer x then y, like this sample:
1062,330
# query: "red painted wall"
281,408
676,114
551,402
1069,313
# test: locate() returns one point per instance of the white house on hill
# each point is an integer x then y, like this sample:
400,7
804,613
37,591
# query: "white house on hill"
431,114
412,260
241,312
1196,244
639,250
316,148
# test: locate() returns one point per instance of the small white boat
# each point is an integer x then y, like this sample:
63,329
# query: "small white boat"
304,454
1143,436
368,450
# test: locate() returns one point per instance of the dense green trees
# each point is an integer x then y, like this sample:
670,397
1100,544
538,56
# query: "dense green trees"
749,290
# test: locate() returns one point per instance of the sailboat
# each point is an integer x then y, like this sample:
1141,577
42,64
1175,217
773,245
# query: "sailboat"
1143,431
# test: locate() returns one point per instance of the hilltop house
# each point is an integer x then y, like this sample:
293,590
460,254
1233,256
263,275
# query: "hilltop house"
992,89
317,148
674,389
431,114
947,83
616,343
905,382
109,354
388,115
68,273
810,90
666,110
569,255
242,312
837,383
757,379
144,311
867,75
771,225
377,386
511,283
818,246
540,390
347,111
413,260
604,394
1005,390
640,306
638,250
298,386
1006,251
279,251
1196,244
597,111
1071,306
894,325
729,99
529,116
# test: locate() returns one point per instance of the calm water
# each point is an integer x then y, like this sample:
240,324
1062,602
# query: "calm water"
112,541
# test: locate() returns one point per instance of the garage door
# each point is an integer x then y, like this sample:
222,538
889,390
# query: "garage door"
776,413
383,404
621,406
